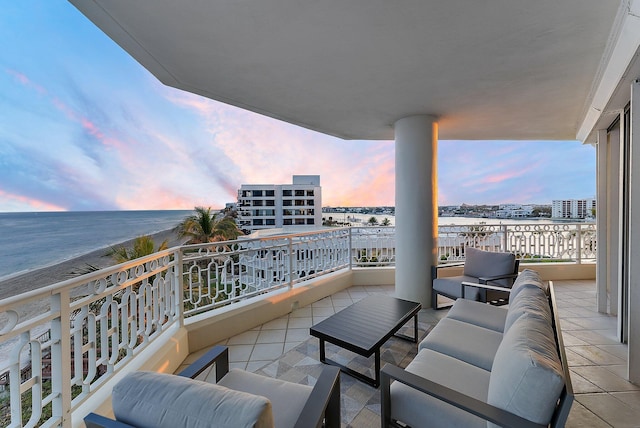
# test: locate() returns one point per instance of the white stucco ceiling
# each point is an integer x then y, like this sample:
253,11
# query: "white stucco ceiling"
489,69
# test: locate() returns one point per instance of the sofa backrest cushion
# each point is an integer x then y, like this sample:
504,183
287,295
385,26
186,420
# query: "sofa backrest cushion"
529,300
147,399
526,279
527,378
481,264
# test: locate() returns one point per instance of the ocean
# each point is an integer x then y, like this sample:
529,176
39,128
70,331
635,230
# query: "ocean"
30,241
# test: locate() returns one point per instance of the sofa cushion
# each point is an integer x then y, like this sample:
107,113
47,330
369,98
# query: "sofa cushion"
466,342
287,398
529,300
481,264
452,286
479,314
148,399
527,278
527,376
417,409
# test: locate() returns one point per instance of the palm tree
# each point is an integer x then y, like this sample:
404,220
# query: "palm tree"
142,246
372,221
203,227
385,222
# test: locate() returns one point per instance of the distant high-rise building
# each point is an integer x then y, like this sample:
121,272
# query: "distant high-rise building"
573,208
268,206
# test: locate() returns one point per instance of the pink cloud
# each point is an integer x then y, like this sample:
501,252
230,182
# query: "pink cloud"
28,203
23,79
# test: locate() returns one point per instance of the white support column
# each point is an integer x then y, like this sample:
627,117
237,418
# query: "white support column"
601,221
634,240
416,206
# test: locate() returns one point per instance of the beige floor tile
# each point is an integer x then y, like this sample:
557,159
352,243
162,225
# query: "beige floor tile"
594,338
323,311
246,338
267,351
631,398
342,303
620,350
317,319
253,366
622,371
576,359
581,417
605,379
242,365
272,336
571,340
297,334
277,324
597,355
288,346
341,295
583,386
240,352
305,322
358,295
326,302
302,312
610,409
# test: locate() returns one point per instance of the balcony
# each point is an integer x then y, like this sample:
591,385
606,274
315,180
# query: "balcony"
64,346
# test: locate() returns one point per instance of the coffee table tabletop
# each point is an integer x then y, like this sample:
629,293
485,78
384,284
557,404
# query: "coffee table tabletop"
364,326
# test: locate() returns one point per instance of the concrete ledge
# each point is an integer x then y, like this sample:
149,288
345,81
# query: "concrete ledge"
547,271
374,276
562,271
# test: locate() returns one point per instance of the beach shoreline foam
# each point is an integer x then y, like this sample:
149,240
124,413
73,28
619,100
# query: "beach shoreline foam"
42,277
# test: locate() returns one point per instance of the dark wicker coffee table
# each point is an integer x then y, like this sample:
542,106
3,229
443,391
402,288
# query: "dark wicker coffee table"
364,326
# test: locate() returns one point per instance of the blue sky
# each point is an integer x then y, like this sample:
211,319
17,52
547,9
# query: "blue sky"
85,127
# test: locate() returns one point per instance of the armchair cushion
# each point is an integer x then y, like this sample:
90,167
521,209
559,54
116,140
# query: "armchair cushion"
451,286
527,376
287,398
482,264
148,399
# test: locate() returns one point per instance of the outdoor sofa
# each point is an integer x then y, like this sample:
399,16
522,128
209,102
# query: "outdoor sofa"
484,365
237,399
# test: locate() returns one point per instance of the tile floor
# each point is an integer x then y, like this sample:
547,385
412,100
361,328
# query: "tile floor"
597,361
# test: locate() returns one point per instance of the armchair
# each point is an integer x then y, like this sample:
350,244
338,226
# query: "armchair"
480,267
238,398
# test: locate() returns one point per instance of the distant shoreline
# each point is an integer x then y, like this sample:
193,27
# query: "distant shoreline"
48,275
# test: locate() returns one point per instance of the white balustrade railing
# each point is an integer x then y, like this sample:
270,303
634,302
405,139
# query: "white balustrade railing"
58,344
218,274
574,242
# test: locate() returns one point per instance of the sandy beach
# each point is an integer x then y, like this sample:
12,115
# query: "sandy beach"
62,271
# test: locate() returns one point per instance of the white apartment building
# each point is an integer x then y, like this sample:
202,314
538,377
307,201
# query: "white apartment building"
268,206
514,211
573,208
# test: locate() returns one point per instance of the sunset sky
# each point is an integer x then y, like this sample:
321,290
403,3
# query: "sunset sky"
84,127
